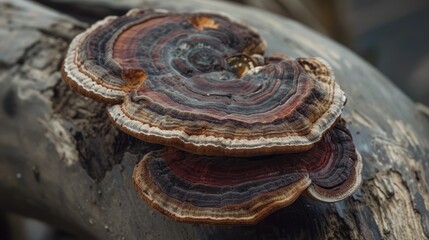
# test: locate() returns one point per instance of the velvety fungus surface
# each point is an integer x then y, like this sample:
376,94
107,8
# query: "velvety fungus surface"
198,82
213,189
245,134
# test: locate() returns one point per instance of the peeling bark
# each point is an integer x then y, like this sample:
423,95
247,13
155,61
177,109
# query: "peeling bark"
393,210
63,162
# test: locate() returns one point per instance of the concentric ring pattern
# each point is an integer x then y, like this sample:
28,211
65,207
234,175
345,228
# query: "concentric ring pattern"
244,134
178,86
196,188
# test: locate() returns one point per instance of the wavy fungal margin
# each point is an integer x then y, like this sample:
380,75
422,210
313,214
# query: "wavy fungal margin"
195,188
198,82
245,134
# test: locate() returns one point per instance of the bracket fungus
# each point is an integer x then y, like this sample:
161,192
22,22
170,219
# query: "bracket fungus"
215,189
198,82
244,134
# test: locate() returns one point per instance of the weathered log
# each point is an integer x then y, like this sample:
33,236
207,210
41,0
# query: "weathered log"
63,162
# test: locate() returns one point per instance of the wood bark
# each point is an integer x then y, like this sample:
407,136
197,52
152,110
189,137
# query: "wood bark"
63,162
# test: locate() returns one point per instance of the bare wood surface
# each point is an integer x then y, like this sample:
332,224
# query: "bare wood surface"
62,161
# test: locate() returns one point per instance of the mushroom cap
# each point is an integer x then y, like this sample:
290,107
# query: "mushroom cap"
226,190
198,82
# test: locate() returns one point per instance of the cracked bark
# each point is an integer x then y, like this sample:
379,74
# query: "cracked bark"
63,162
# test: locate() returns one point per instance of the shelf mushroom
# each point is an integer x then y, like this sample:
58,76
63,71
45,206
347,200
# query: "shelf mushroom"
198,82
227,190
244,134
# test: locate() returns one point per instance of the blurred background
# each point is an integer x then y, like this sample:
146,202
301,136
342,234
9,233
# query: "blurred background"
392,35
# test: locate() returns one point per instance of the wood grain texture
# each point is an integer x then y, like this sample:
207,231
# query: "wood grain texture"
62,161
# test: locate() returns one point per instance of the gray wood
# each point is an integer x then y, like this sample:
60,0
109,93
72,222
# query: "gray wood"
63,162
